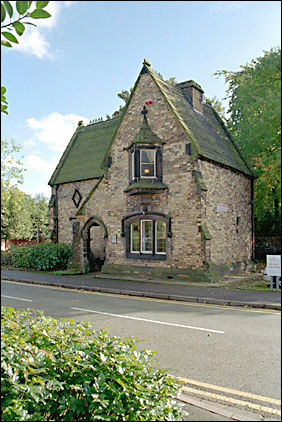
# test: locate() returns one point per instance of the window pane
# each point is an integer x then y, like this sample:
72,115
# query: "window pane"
147,236
135,237
147,162
147,156
160,237
147,170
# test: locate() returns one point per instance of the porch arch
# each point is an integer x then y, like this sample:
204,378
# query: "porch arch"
94,252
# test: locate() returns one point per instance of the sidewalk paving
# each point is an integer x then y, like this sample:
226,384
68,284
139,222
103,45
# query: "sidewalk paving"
161,289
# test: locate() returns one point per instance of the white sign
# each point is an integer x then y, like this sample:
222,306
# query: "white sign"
222,207
273,264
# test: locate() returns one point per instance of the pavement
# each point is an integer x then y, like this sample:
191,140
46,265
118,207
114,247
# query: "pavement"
200,292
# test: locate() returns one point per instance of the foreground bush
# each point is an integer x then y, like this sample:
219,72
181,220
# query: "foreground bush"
64,371
42,257
19,256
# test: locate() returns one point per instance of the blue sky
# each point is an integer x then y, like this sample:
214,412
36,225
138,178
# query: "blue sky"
72,65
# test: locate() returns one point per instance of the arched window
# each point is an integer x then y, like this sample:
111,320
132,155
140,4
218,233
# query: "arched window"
146,236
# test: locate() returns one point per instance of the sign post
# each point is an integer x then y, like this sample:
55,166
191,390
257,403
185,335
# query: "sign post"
273,265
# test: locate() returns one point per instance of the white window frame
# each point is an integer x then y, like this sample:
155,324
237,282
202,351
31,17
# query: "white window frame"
132,165
141,237
156,238
131,237
155,169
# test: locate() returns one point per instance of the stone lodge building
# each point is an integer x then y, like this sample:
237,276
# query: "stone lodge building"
161,189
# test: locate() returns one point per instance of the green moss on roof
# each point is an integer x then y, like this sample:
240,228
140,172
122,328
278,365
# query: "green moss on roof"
84,156
209,138
146,135
86,153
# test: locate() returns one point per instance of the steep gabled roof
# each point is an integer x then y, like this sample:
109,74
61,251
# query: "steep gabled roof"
206,131
84,156
86,153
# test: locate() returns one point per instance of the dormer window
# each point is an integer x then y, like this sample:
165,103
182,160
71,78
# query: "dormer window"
145,163
148,163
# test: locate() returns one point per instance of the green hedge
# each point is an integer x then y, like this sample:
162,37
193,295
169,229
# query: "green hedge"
19,256
6,258
58,370
42,257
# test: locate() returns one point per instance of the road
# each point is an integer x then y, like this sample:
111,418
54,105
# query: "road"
228,348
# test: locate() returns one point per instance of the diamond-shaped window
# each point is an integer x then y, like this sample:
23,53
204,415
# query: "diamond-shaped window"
76,198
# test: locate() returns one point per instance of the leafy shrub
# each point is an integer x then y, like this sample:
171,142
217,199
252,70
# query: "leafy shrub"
49,256
6,258
20,255
42,257
61,370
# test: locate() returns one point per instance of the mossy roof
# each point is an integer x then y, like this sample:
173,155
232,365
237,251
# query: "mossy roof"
85,155
206,131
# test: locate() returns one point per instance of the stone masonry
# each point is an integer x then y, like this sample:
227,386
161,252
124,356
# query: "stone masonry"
224,207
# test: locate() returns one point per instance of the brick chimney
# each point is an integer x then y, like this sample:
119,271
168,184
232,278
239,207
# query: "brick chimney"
194,92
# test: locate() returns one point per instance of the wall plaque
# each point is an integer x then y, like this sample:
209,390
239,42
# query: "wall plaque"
222,207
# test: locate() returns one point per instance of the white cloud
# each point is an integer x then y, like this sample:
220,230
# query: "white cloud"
33,40
56,129
44,189
34,162
218,6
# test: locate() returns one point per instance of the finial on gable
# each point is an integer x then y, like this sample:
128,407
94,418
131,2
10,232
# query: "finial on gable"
146,62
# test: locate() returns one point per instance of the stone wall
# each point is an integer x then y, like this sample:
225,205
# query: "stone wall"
227,213
181,201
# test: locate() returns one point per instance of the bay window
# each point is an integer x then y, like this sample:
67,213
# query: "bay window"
147,237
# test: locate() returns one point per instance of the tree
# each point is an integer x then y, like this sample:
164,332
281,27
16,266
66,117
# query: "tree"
255,115
23,217
11,168
16,26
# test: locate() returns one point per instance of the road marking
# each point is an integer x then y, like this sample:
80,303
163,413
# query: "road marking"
150,320
230,391
254,406
17,298
124,296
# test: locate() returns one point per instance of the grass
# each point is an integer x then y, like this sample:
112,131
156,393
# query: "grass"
261,285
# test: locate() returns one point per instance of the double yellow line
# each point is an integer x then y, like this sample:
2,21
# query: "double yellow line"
247,404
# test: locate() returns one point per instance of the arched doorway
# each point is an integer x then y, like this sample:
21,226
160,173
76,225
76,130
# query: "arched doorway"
94,240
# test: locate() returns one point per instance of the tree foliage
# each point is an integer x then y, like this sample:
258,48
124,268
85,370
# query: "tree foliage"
11,166
254,94
58,370
23,216
14,18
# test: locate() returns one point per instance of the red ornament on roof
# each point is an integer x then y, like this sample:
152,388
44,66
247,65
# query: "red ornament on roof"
149,101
